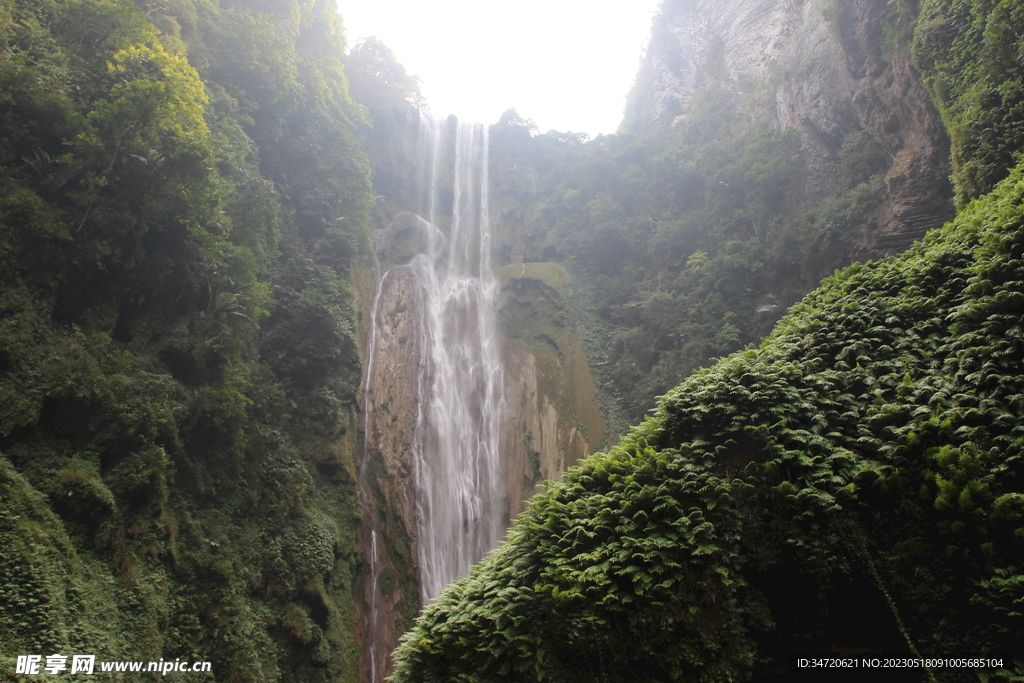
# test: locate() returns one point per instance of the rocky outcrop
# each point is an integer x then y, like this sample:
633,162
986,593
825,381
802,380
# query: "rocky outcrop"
554,417
696,41
833,68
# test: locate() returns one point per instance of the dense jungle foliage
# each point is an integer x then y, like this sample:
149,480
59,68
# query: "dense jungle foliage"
971,54
183,197
852,485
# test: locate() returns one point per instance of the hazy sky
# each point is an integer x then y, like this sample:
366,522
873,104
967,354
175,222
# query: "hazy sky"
566,64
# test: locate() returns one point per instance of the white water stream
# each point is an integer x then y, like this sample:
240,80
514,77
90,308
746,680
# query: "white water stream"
461,391
460,407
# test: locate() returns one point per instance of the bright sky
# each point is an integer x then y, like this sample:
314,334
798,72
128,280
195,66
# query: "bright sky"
566,64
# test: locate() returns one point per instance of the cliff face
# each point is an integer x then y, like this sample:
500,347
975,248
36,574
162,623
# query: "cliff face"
824,68
554,419
387,477
396,408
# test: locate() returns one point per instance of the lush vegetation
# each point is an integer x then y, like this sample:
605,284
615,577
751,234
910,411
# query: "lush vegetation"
687,242
183,196
971,53
186,194
861,467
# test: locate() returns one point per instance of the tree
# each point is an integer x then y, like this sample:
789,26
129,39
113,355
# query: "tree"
376,79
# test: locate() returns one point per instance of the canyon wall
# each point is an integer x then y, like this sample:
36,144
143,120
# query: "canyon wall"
390,586
827,69
554,416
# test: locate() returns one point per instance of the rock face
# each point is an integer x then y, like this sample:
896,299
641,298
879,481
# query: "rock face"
387,477
554,416
829,72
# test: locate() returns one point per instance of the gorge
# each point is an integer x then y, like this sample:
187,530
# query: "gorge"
282,357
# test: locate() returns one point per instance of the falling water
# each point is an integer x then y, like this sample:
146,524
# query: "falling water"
374,608
461,379
371,641
460,395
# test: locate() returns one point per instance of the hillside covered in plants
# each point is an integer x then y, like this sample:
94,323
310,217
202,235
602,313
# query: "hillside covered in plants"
852,485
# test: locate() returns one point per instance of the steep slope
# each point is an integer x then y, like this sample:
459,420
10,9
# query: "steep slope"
183,205
828,70
854,485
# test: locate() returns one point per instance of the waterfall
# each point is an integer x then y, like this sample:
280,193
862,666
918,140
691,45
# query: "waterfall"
434,357
371,645
374,607
456,446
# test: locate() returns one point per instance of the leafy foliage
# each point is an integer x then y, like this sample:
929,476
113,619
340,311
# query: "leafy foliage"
182,194
685,243
377,79
872,438
971,54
